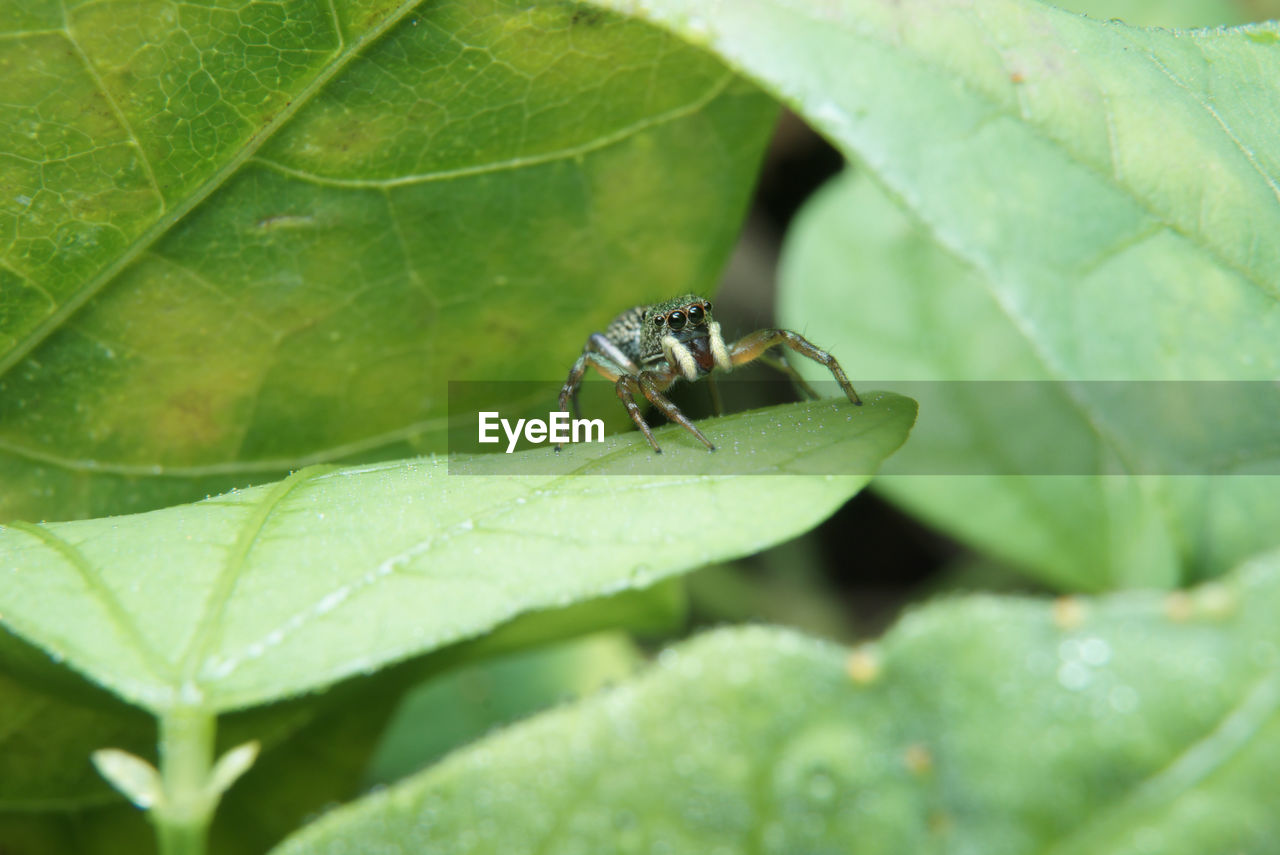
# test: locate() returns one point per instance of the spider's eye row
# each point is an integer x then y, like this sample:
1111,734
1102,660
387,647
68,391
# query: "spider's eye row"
676,319
696,315
657,320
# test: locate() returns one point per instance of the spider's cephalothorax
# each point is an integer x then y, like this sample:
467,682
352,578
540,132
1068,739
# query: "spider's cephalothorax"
647,348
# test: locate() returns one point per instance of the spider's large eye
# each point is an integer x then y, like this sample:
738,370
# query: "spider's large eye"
696,315
676,320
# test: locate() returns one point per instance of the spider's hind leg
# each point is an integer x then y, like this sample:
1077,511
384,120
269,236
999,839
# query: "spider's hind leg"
717,405
753,346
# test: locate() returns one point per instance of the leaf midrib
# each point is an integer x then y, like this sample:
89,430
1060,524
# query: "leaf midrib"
98,590
342,58
197,650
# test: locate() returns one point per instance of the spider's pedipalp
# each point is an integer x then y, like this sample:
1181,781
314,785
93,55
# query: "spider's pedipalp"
678,355
719,352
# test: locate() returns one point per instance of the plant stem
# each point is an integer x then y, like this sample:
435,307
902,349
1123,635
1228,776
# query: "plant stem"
186,757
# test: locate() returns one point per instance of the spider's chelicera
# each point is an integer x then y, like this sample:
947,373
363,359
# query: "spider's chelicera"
647,348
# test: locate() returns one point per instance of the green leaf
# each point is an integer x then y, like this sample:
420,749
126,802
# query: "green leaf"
46,738
463,705
1114,190
919,314
237,240
1177,13
1058,155
288,587
1136,722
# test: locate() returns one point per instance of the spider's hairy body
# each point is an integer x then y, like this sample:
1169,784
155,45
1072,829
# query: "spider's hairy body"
625,331
647,348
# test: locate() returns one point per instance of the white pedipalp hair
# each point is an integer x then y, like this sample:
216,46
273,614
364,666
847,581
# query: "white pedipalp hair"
719,352
677,354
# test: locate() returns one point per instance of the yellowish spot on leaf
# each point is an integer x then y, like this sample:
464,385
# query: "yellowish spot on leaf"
863,664
1068,612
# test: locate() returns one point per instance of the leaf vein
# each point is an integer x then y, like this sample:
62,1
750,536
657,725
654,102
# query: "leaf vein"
237,561
342,58
115,109
230,467
1244,150
513,163
156,664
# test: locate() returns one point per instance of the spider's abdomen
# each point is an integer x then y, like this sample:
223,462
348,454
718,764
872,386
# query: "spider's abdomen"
624,331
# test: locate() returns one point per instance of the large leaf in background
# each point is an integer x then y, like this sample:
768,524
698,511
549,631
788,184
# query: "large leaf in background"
1137,722
291,586
466,703
45,743
1115,190
238,239
914,312
1120,178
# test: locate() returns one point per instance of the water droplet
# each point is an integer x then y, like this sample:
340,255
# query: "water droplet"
1074,676
1095,651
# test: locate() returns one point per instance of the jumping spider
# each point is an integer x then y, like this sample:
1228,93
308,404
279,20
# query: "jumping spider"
647,348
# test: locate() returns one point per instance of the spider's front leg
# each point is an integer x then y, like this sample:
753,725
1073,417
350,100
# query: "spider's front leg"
607,367
605,357
651,384
753,346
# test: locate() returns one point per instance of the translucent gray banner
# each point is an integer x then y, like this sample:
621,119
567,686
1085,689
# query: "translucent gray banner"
982,428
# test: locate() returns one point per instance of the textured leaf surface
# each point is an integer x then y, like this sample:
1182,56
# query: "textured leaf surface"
275,590
466,703
241,238
1137,722
869,282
